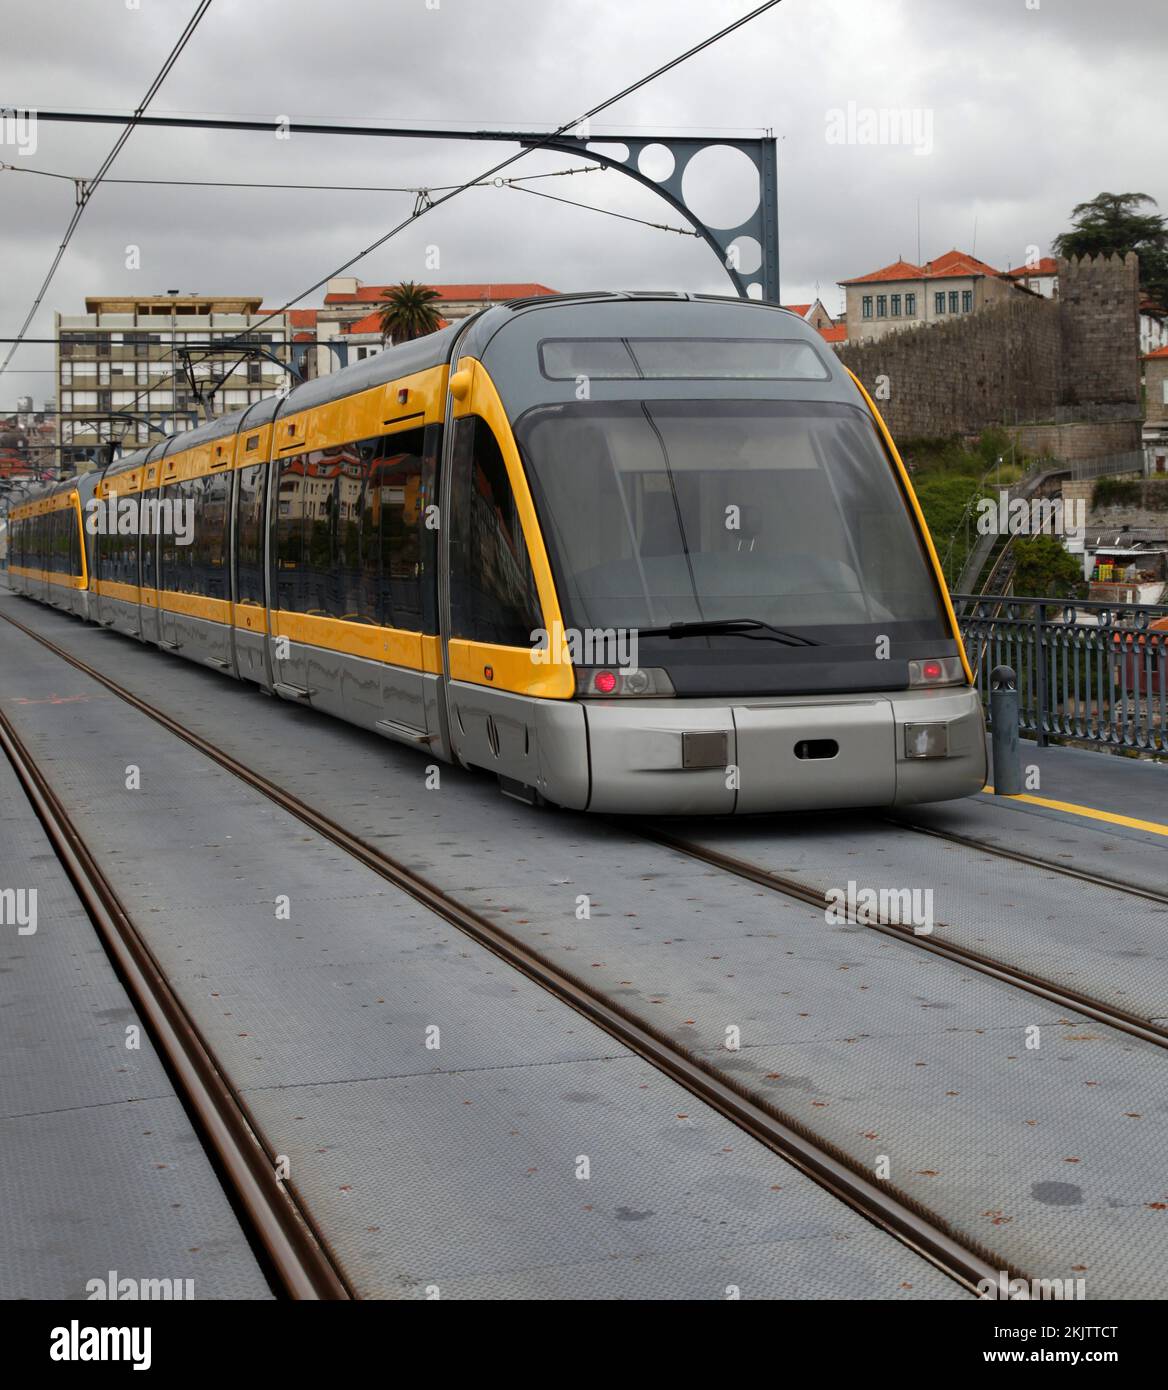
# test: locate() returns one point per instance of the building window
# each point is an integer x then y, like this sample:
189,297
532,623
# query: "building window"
939,302
881,306
910,306
967,301
867,306
952,301
896,306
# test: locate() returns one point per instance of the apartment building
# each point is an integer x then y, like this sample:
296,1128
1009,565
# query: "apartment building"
132,369
904,295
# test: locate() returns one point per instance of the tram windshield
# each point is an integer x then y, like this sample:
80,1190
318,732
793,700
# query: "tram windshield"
680,511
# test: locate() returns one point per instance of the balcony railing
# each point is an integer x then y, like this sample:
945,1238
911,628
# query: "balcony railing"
1093,672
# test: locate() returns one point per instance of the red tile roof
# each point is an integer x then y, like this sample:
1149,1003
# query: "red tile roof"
800,309
1160,352
837,333
952,265
374,294
1046,266
898,270
959,263
371,323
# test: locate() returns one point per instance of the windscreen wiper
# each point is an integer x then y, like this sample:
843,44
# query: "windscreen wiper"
753,628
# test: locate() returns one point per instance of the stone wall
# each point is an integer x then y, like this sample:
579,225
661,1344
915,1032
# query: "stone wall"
1074,359
1080,441
1099,300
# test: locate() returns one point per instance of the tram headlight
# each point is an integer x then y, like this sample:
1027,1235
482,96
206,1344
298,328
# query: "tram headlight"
617,682
937,670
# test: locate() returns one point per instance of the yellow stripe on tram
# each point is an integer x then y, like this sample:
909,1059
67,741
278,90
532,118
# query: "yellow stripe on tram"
1090,812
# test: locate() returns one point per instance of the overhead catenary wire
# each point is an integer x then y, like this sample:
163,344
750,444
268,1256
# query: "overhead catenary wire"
608,212
516,183
86,190
299,187
422,211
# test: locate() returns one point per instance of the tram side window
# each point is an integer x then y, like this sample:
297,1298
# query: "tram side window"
350,534
290,507
174,559
394,526
209,546
249,558
54,519
74,542
194,530
492,588
346,596
105,544
149,545
61,520
320,499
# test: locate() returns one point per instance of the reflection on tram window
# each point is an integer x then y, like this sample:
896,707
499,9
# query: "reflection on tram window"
199,568
689,359
492,588
249,557
669,511
350,539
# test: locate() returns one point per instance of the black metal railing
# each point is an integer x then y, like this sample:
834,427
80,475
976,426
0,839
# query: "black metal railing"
1091,671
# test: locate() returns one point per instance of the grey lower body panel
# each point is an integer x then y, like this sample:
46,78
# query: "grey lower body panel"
395,701
781,753
250,650
198,639
717,757
118,614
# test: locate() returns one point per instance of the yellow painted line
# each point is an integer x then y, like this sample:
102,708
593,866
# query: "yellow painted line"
1090,812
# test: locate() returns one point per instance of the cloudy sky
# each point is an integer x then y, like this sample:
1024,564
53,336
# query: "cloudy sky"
1031,105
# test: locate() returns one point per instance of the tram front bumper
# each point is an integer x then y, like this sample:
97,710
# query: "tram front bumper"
707,757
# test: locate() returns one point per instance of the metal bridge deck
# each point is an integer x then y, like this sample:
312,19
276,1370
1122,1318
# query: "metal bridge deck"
1051,1157
102,1170
454,1168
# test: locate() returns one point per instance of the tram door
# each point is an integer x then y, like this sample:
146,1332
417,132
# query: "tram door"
249,612
492,611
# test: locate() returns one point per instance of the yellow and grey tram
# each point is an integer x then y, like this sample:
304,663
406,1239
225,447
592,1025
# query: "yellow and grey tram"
629,552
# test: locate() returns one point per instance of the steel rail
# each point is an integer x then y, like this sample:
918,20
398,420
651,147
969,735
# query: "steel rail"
1060,995
297,1254
913,1224
1034,861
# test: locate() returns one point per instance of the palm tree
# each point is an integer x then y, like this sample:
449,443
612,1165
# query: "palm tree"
408,312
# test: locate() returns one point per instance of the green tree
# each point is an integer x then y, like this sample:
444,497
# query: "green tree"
1044,569
408,312
1113,224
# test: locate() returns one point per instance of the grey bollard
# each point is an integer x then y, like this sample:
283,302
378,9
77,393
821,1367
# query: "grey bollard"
1004,725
